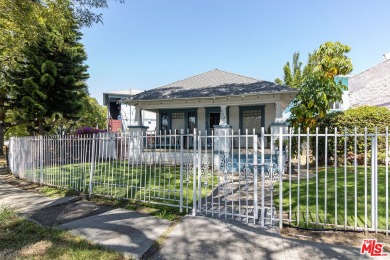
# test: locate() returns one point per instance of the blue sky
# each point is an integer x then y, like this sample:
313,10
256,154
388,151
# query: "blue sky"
148,43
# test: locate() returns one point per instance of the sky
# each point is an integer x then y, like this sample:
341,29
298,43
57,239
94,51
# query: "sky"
145,44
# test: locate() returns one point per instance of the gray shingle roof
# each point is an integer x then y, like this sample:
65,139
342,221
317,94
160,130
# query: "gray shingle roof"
212,84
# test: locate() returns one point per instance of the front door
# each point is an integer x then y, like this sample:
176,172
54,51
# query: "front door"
213,120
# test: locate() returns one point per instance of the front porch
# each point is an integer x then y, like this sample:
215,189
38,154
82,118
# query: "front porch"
211,104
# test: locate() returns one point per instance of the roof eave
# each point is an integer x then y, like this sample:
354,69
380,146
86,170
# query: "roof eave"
135,101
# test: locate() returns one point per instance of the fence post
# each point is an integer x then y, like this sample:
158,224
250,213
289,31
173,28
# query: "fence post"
374,182
7,156
40,159
199,172
262,177
280,177
10,155
255,170
194,176
181,168
92,165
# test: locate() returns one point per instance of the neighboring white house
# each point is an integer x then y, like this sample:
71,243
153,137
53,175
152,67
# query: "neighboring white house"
372,86
120,116
214,98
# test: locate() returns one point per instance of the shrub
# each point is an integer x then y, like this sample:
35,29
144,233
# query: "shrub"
370,117
86,130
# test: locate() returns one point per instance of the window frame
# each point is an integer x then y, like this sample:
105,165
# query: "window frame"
169,112
246,108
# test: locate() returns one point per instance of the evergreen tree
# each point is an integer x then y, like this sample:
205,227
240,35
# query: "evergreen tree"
50,80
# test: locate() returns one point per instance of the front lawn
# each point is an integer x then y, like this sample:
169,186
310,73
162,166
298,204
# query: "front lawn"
120,179
344,210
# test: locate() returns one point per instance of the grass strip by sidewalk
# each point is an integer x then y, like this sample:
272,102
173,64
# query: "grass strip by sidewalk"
157,210
23,239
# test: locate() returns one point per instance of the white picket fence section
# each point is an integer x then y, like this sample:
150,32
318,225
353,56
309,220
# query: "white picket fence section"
323,180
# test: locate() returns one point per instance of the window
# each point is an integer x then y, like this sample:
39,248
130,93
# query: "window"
177,115
251,113
335,105
165,122
251,118
177,120
191,123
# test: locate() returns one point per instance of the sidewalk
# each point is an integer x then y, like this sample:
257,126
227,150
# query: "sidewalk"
133,233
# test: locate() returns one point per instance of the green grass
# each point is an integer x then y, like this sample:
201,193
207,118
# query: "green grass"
150,183
22,239
57,192
160,211
352,214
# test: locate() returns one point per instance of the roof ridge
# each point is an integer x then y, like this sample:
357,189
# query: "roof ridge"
216,69
370,68
186,78
239,75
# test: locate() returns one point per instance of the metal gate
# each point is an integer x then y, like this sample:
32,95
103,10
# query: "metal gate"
242,176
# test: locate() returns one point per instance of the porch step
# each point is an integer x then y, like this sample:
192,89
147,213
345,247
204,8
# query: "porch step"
115,125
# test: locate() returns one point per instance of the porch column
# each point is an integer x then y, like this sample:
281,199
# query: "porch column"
137,135
223,132
223,116
279,111
137,117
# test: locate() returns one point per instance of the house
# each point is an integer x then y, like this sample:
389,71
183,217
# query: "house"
120,116
212,100
372,86
345,103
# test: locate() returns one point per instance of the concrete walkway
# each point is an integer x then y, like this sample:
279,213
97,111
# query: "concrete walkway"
133,233
208,238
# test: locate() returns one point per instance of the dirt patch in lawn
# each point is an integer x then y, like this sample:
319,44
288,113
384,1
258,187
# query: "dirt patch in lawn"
345,238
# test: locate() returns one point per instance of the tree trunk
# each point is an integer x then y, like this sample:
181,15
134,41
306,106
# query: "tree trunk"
40,127
2,131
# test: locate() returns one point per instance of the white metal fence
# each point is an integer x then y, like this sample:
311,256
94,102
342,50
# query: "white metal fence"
329,179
